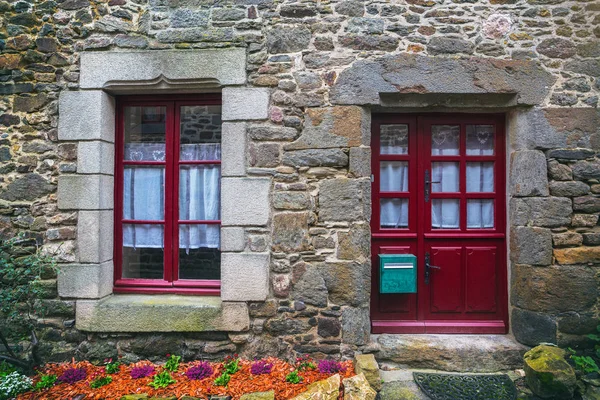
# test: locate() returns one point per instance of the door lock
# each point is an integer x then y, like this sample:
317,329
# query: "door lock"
428,267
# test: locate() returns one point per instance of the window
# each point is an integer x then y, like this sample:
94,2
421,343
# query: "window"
167,204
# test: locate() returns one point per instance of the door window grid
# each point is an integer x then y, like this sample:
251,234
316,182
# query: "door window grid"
467,177
394,176
172,144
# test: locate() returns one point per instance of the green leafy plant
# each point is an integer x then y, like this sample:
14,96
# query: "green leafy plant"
223,379
112,367
101,381
586,364
172,362
162,380
231,364
305,363
596,338
22,269
45,382
6,368
293,377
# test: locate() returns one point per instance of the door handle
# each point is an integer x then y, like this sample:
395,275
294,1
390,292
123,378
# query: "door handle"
428,268
428,183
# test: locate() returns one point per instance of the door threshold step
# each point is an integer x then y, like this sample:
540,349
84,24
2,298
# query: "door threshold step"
451,353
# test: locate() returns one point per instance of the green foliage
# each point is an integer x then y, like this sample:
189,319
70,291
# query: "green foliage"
232,367
22,266
223,379
112,367
13,384
585,364
596,338
6,368
172,363
293,377
45,382
305,363
101,381
162,380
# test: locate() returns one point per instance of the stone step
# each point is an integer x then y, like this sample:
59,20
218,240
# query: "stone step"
452,353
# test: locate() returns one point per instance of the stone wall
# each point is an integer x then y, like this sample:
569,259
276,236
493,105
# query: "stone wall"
327,65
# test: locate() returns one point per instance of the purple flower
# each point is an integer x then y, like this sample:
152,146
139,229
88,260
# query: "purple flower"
200,371
142,372
330,367
73,375
261,367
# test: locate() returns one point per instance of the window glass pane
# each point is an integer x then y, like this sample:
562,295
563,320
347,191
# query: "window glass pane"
480,213
445,213
144,131
144,192
200,133
480,140
480,177
143,251
199,192
393,213
394,139
445,140
199,254
393,176
445,177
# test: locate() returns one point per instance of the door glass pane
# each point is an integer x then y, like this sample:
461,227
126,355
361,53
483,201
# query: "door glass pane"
445,213
144,192
199,192
143,251
199,254
144,131
445,177
445,140
480,177
394,213
480,140
200,133
480,213
394,139
393,176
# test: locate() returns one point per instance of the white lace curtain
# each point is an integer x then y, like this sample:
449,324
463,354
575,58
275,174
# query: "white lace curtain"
144,194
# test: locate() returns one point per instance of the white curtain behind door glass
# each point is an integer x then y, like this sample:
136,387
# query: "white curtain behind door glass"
143,196
445,213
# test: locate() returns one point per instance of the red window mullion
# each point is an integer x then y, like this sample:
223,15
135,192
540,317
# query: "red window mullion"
170,195
175,207
463,178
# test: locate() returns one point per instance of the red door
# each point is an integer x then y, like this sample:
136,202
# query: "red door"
439,193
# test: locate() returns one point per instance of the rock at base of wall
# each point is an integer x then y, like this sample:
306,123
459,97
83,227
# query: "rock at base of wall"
358,388
327,389
367,365
548,374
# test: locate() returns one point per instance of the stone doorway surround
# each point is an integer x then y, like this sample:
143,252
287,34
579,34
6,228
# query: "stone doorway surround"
87,116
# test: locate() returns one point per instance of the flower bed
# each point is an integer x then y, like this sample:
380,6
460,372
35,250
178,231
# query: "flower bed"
196,379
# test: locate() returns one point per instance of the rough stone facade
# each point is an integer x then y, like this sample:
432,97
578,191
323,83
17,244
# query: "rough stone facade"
324,66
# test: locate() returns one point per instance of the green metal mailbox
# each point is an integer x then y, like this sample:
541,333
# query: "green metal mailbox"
397,273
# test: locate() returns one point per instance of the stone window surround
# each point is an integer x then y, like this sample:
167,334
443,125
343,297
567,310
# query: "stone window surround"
244,199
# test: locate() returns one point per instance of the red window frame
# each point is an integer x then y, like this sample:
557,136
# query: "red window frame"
170,282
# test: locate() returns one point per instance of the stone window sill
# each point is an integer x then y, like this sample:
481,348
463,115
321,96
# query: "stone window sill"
160,313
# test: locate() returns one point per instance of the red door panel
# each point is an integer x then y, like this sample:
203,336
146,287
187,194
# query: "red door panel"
481,279
438,187
445,282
